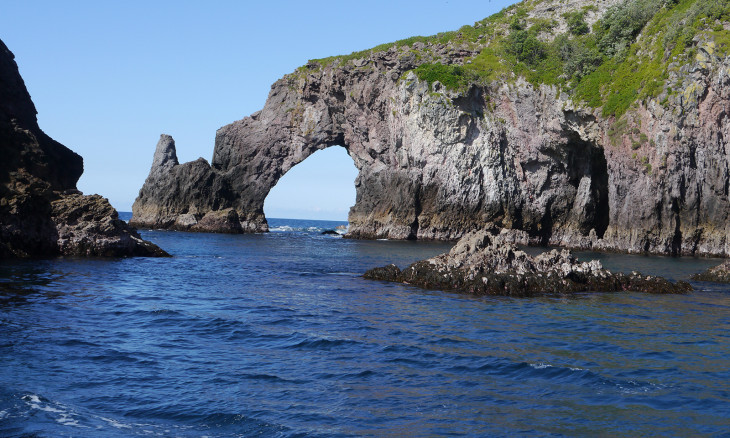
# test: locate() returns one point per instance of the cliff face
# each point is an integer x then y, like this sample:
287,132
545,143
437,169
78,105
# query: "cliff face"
41,212
437,160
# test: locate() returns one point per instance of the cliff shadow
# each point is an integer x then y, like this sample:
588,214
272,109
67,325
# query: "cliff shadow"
587,170
573,198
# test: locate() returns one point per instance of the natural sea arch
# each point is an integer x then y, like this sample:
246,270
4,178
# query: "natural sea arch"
321,187
435,163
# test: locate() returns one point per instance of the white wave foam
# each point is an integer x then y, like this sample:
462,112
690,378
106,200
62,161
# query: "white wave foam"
34,402
4,414
31,398
69,417
283,228
540,365
68,420
115,423
633,387
66,416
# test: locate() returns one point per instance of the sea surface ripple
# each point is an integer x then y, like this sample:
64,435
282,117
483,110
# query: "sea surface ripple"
277,335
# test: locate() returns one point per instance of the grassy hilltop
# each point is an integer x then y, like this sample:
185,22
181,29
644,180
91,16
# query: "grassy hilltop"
624,57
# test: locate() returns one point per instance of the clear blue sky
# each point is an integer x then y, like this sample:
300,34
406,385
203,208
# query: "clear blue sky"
109,77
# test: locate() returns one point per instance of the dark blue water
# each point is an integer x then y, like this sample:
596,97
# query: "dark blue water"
277,335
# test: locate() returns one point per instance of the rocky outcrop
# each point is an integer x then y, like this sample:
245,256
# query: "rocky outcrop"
41,212
189,197
718,274
90,226
436,163
483,263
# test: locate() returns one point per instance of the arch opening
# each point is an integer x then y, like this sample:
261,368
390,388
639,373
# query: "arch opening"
322,187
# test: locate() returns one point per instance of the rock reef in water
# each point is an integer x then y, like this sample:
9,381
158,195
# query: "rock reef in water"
485,263
41,212
442,151
718,274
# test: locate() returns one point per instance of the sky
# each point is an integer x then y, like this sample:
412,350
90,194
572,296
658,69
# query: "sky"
107,78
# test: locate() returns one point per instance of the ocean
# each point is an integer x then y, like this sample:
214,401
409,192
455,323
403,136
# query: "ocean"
278,335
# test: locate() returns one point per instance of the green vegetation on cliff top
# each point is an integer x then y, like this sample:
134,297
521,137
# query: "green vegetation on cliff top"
625,57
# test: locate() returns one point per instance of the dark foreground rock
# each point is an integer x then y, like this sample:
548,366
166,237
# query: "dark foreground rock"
718,274
90,226
484,263
41,212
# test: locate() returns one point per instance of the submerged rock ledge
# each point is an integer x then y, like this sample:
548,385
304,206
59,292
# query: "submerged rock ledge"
485,263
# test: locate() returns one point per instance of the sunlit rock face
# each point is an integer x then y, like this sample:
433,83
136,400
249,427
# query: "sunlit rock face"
436,163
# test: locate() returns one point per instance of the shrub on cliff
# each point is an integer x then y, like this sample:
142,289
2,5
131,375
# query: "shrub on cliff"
526,47
580,57
604,66
451,76
622,23
576,22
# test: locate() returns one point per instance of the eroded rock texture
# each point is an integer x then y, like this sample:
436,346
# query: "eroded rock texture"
483,263
187,197
718,274
41,212
435,164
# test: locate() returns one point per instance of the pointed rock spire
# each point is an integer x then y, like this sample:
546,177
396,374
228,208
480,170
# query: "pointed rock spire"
165,154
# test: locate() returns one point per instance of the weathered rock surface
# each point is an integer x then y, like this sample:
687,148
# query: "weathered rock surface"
41,212
718,274
483,263
436,164
189,197
90,226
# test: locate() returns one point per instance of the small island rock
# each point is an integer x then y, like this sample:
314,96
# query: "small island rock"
718,274
486,263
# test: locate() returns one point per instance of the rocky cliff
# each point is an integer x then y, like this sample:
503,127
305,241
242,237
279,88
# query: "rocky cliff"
588,124
41,212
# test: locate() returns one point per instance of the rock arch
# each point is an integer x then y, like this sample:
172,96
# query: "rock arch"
436,163
322,186
304,113
433,164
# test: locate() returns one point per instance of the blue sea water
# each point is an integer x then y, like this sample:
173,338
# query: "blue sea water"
277,335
